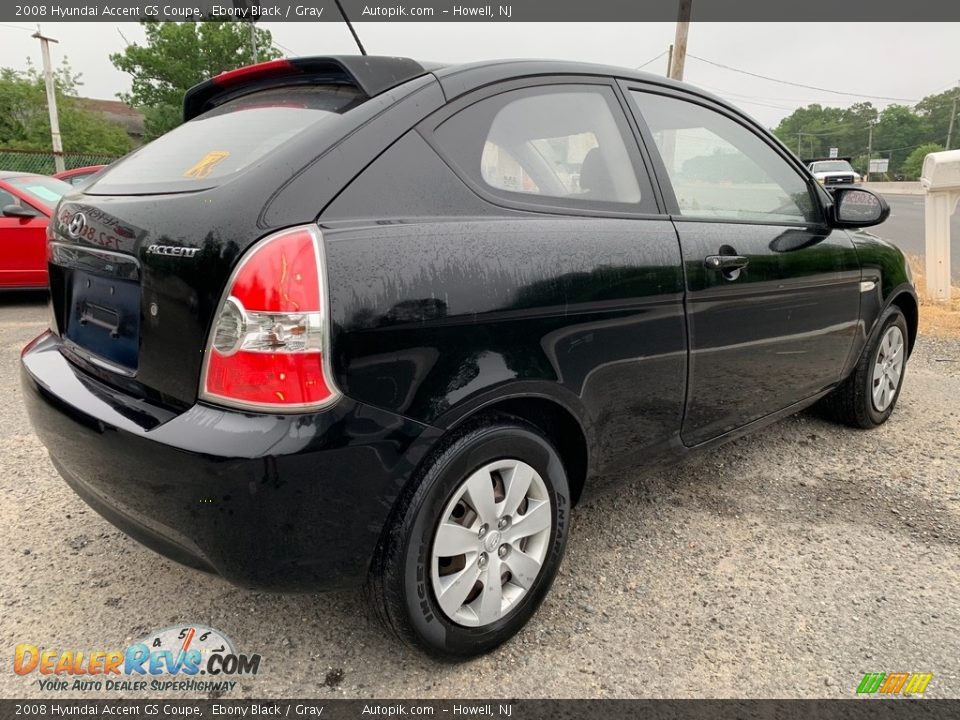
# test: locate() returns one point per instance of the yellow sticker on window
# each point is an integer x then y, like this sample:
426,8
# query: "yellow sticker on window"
207,163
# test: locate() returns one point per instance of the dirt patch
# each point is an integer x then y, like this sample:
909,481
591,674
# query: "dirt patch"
936,318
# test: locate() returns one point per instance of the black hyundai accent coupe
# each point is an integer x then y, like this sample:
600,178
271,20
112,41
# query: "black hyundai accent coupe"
362,320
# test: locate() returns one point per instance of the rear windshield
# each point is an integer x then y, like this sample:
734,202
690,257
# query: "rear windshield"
225,140
43,190
832,166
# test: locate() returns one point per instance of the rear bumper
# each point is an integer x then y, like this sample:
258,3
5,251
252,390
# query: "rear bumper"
273,502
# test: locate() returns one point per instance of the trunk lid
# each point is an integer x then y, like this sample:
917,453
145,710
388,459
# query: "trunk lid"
138,261
134,285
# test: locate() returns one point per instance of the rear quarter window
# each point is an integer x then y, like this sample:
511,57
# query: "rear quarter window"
209,149
557,146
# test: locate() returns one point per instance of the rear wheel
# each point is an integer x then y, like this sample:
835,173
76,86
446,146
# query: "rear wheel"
474,547
867,398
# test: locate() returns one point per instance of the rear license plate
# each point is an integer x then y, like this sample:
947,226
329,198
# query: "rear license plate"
104,317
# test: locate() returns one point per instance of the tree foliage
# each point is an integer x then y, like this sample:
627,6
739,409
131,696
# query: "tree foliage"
177,56
914,162
898,130
25,120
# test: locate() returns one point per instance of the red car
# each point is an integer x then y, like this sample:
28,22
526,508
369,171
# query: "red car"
26,204
80,175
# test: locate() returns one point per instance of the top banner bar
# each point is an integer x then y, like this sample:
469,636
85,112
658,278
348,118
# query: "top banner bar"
360,11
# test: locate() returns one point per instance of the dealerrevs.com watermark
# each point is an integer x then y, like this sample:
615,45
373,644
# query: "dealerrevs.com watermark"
188,658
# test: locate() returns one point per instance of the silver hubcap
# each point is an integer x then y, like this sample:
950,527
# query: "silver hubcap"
888,368
491,542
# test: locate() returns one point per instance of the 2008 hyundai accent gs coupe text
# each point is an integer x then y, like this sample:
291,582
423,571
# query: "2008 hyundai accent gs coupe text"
363,320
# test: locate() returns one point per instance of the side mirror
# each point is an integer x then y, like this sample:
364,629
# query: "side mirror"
854,207
19,211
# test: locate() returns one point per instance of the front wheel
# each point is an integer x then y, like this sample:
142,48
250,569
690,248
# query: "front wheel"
867,398
475,545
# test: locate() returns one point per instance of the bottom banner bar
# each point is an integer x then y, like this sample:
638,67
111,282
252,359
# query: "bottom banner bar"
494,709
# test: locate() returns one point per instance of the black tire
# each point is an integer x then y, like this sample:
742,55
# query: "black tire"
399,587
851,403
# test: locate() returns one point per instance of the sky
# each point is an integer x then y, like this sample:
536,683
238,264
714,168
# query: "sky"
890,60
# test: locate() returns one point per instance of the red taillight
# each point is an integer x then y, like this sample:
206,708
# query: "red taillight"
267,348
271,68
281,275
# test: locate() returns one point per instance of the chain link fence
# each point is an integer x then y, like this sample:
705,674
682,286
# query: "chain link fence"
40,162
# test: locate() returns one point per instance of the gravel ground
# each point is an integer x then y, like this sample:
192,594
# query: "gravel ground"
786,564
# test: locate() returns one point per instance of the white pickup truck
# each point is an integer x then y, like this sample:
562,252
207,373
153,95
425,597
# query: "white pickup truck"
834,172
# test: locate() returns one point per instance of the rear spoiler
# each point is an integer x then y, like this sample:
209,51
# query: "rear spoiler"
370,73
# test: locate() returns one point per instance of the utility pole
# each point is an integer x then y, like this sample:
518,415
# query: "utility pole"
799,138
869,150
247,10
51,100
680,41
669,59
953,116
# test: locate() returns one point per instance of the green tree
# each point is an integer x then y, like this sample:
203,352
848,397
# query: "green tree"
899,130
854,139
935,111
177,56
25,121
914,163
817,129
810,131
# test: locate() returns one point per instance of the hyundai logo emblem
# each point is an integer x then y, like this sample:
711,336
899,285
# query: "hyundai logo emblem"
77,223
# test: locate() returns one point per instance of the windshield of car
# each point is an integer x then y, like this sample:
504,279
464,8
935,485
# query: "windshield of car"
43,190
225,140
832,166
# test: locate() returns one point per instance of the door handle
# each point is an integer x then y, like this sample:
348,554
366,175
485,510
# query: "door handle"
725,262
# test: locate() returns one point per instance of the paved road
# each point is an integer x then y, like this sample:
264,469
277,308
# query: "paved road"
905,228
782,565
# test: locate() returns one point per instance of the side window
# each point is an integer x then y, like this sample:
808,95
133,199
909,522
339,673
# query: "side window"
721,169
7,199
556,145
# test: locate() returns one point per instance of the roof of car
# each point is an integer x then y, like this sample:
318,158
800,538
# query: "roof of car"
518,67
375,74
459,78
7,174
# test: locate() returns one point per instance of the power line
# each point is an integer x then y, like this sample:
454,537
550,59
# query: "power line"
943,89
907,147
653,59
796,84
759,104
283,48
761,101
16,27
837,129
749,99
